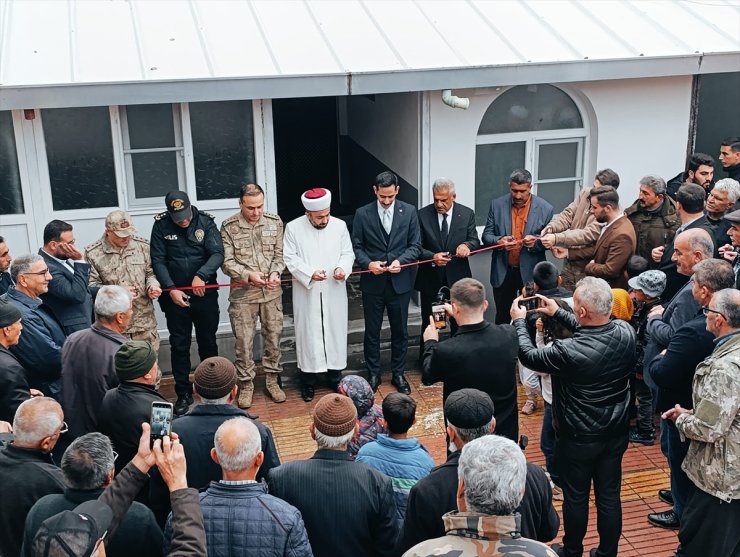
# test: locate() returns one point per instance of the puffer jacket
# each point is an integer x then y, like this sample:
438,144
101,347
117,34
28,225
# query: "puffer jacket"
404,461
653,229
590,376
369,415
242,520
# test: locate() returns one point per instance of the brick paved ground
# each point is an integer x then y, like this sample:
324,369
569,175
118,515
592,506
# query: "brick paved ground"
645,470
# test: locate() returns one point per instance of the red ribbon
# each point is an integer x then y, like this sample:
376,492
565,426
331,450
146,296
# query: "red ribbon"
362,272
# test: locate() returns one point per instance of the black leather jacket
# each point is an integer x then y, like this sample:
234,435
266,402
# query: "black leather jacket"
590,376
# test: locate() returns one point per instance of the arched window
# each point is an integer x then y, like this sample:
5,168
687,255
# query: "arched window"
537,127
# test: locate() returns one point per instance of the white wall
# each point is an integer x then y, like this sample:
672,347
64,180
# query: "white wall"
641,127
388,128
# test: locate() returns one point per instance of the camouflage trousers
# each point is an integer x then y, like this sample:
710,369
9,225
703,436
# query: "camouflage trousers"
571,273
151,335
243,319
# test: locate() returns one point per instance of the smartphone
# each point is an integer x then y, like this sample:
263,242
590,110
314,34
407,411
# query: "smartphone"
530,304
161,420
440,316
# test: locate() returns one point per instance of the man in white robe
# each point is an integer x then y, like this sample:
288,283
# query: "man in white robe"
317,250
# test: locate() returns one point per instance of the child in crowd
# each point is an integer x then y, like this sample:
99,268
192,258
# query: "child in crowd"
546,281
398,456
636,265
623,307
646,291
369,414
548,331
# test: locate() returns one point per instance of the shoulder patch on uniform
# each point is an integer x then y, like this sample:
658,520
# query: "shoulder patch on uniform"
272,216
95,244
229,220
160,216
140,239
212,217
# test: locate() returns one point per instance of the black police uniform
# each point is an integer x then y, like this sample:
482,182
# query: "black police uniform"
178,255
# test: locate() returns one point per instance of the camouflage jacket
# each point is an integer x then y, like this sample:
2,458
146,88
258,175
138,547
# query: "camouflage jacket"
128,267
252,248
476,535
713,460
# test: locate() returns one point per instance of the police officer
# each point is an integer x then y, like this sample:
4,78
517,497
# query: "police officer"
187,251
253,245
122,258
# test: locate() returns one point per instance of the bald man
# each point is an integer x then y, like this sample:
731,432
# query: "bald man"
240,506
26,470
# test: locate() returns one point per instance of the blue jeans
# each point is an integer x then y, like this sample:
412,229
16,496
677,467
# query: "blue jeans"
547,443
681,485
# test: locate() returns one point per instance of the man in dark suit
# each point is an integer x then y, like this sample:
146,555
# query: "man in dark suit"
479,355
348,507
385,235
68,296
690,209
5,259
448,235
617,241
516,216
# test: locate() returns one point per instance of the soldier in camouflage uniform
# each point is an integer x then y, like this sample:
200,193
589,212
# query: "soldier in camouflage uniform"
709,525
493,472
123,259
253,254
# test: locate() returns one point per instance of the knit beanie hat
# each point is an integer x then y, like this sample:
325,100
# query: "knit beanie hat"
468,408
623,307
9,314
134,359
214,378
334,415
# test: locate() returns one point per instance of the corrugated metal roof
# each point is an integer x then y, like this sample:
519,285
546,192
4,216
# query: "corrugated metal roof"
54,52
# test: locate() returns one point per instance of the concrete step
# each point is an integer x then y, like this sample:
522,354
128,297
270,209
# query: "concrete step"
355,333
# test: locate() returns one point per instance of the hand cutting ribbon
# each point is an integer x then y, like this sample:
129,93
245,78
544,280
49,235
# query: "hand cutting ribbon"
504,245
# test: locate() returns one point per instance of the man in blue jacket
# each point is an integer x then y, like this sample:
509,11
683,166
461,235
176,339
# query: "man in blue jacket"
385,235
240,518
517,216
39,349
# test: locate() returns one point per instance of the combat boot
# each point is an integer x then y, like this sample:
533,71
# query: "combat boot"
246,390
272,385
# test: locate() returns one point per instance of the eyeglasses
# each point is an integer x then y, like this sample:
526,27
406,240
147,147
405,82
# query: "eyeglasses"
707,310
65,428
37,272
115,456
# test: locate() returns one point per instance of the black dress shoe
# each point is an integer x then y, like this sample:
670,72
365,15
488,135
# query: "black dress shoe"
374,381
667,519
666,496
307,393
401,384
182,404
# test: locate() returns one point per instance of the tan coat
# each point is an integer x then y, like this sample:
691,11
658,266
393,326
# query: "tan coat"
575,227
613,250
128,267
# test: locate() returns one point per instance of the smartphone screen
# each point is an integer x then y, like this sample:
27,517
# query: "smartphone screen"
161,420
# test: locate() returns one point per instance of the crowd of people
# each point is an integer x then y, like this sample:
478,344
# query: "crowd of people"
641,323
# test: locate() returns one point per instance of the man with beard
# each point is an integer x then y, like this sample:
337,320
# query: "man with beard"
317,250
654,217
617,242
516,217
700,172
